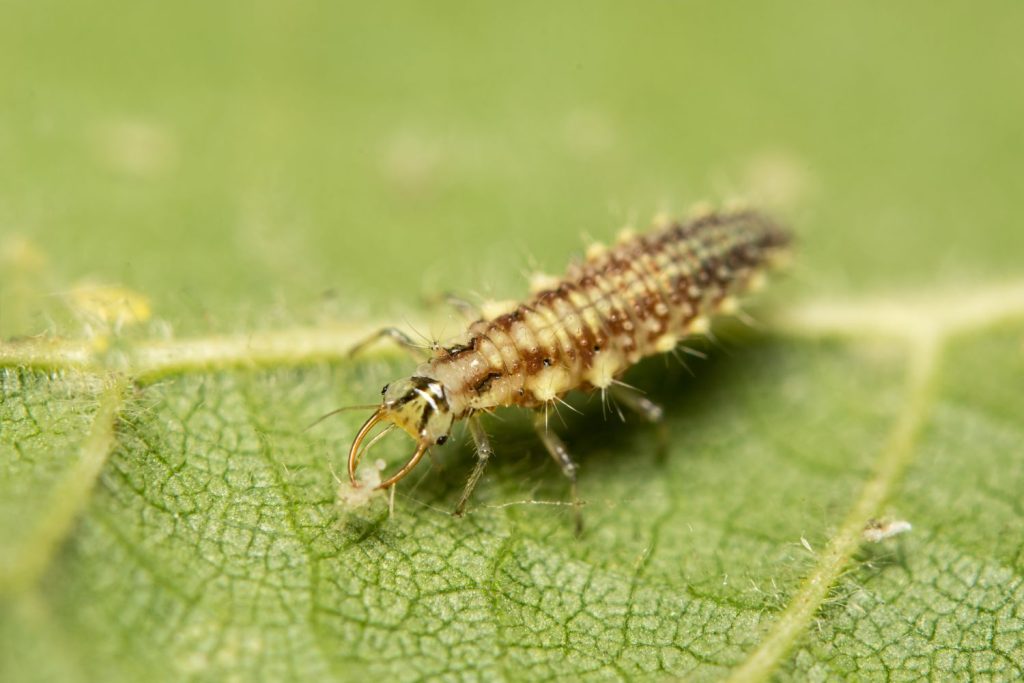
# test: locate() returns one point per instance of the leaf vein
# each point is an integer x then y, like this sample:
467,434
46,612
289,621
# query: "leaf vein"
894,457
70,495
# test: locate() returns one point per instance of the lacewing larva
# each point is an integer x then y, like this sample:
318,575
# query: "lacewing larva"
635,299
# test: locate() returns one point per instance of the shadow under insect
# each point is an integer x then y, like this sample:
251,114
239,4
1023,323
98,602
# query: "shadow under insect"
608,440
639,298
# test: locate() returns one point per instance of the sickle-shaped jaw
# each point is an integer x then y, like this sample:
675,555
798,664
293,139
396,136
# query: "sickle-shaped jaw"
406,468
354,453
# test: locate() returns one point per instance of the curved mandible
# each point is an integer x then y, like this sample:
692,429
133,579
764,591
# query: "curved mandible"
354,455
406,468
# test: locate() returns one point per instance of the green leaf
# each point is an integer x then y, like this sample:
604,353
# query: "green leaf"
204,206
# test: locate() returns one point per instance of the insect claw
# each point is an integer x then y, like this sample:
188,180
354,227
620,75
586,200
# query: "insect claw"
355,453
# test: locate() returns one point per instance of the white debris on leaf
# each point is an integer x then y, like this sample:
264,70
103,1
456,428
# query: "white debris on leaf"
876,531
351,497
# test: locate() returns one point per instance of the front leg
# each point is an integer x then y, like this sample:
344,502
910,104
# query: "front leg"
483,455
464,306
556,447
397,336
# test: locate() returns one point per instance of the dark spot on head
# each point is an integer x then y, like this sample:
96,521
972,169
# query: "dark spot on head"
441,439
597,347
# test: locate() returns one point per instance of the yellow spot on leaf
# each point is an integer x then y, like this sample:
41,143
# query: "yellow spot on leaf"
110,304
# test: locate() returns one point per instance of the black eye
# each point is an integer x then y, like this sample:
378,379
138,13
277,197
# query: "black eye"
384,390
442,439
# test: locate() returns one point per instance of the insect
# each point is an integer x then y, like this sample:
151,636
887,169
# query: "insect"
638,298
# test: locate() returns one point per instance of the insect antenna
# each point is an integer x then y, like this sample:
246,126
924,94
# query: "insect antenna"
428,343
314,423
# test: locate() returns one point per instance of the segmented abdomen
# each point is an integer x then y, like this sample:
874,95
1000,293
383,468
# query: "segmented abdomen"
635,299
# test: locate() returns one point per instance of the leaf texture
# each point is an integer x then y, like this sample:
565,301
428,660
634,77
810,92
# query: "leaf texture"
204,207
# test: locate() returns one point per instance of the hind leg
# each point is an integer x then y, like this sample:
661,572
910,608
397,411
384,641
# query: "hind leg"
556,447
648,410
639,404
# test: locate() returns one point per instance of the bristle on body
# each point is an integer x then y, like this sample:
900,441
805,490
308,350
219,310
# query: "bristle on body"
637,298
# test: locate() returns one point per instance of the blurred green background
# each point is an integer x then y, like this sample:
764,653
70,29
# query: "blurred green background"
252,165
241,163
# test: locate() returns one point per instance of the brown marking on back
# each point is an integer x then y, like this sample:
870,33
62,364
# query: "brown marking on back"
455,350
484,383
623,299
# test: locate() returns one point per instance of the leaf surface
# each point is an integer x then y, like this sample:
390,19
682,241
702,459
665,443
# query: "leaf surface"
204,208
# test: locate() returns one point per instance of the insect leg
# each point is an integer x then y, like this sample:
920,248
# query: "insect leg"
483,454
641,405
461,304
464,306
556,447
395,335
647,410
